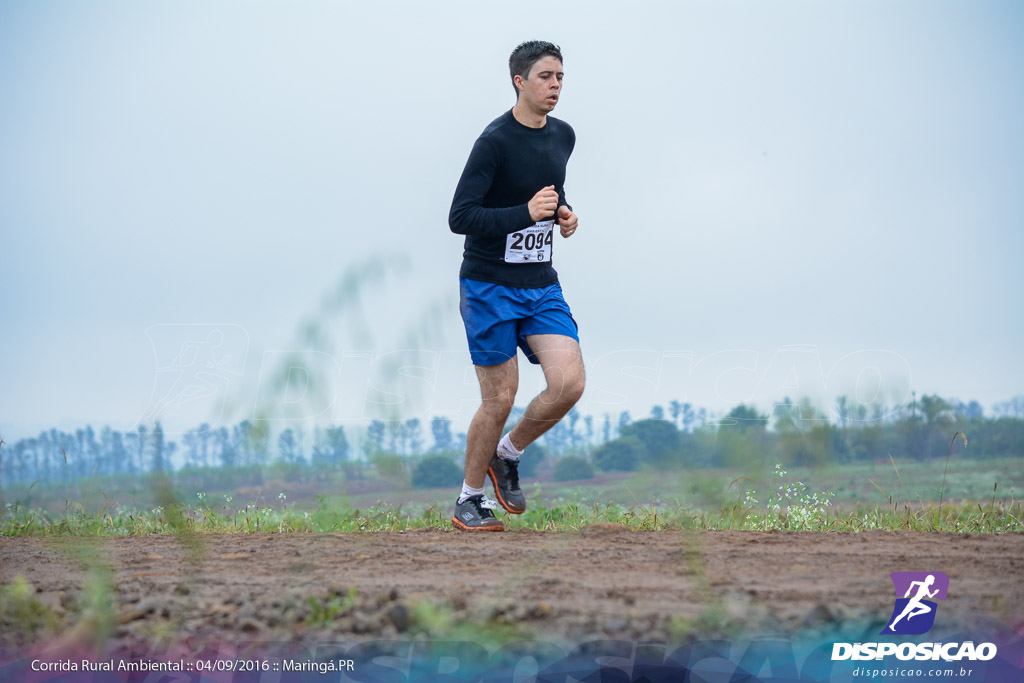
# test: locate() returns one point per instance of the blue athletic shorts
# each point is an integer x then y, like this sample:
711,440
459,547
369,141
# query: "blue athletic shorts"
498,318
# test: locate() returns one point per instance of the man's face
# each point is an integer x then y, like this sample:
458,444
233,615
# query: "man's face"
543,84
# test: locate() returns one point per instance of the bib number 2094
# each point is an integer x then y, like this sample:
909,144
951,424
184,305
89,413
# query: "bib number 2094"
530,245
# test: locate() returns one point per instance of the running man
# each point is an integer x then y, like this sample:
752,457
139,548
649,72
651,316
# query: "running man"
915,607
507,203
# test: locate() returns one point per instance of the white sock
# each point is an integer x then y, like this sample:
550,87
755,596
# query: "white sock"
468,491
506,450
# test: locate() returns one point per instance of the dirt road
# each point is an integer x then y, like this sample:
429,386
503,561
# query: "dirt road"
603,582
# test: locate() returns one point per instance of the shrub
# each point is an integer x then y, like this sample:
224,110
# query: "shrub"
659,437
388,464
213,478
532,457
571,468
435,471
620,454
289,471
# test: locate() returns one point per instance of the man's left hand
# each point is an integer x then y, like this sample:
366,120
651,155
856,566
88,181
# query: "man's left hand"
567,221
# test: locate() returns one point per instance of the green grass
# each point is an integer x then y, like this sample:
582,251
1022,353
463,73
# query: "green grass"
976,496
22,614
789,506
439,621
323,613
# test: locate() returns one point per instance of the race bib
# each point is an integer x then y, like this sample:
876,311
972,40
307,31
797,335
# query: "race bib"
530,245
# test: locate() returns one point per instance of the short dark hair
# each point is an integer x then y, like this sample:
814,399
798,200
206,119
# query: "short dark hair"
526,55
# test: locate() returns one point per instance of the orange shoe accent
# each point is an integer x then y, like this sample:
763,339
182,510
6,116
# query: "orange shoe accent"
460,525
497,492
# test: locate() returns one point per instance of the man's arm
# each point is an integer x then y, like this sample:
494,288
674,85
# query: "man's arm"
562,201
468,216
561,198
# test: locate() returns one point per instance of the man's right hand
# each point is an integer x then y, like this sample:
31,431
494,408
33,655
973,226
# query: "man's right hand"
543,203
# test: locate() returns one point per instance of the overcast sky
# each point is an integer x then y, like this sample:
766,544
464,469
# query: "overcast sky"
775,199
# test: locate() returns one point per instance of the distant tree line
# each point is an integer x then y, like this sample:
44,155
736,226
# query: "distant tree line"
56,456
793,433
801,435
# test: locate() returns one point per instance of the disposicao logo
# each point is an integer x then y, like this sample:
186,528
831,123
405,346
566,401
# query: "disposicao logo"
914,612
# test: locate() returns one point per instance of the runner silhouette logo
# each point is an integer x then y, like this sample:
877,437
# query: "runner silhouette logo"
914,612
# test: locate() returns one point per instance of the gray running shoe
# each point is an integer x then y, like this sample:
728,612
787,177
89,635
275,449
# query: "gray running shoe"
504,475
476,513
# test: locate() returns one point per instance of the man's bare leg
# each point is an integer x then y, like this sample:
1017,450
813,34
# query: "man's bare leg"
498,386
562,362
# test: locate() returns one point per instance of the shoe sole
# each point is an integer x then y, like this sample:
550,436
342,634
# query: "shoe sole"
459,525
497,492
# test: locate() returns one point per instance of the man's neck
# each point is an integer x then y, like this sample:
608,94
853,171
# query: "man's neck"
529,118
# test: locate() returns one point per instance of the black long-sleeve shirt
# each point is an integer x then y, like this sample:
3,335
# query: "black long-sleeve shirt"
509,164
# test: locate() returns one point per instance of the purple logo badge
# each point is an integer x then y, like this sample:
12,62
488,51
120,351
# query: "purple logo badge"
914,612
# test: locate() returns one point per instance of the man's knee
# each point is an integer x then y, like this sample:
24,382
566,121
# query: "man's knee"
568,389
574,388
499,406
498,399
